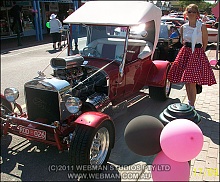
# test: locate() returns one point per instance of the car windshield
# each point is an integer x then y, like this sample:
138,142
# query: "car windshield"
101,42
108,42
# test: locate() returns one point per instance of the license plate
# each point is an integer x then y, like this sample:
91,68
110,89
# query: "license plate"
35,133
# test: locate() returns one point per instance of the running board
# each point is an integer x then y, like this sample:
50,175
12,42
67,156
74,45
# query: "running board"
136,99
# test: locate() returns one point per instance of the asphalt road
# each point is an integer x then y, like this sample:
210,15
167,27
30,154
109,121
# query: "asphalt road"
22,160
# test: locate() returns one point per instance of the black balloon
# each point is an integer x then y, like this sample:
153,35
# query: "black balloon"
142,135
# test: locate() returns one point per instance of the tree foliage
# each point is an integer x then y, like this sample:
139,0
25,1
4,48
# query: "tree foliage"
203,6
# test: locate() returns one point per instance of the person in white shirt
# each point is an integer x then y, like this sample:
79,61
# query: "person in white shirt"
55,26
205,18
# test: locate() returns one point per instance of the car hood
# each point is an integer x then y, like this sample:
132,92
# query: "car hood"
212,30
110,67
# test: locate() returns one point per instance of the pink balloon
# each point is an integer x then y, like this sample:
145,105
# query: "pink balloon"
181,140
166,169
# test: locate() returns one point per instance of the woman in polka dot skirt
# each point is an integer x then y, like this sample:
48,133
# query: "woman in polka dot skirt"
191,65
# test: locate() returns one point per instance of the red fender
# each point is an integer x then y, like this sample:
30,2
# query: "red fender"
158,73
92,119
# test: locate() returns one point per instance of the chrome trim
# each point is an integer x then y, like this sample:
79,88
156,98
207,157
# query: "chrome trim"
29,121
50,84
67,62
121,68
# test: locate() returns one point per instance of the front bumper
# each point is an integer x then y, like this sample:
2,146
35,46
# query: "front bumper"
34,130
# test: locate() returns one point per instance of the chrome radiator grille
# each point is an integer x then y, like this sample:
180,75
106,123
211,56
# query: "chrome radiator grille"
42,104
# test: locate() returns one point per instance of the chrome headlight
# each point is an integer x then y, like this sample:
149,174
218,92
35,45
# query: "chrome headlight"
73,104
11,94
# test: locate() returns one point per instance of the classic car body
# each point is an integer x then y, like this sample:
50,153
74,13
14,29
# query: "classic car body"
74,108
212,32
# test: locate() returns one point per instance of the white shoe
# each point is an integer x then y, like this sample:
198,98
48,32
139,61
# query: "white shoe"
191,105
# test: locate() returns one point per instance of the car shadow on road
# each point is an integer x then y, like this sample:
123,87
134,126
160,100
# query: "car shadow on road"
35,161
38,162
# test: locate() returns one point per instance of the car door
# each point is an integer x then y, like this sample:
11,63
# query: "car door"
133,69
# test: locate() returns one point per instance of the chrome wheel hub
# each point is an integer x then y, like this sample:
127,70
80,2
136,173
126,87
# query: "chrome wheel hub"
99,147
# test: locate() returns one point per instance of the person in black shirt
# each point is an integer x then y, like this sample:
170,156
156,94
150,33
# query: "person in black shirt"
15,13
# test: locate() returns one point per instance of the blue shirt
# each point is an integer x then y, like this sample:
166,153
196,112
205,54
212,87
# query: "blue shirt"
174,35
74,28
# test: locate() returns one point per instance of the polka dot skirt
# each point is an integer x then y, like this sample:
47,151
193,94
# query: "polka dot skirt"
191,67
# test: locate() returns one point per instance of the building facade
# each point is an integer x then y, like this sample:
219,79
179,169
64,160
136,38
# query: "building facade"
34,15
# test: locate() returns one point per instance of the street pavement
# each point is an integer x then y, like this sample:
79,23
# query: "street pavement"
204,167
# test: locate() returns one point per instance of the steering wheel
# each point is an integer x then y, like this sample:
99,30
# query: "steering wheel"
90,51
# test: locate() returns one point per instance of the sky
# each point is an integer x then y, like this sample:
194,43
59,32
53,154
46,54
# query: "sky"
212,2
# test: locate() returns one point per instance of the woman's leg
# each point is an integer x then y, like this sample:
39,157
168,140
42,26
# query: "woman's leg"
191,93
59,46
54,46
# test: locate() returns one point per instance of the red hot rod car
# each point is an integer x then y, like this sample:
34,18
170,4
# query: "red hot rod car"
73,109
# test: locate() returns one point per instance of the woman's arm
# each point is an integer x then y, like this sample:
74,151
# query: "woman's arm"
204,37
181,34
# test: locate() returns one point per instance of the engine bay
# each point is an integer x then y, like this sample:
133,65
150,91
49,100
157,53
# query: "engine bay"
85,80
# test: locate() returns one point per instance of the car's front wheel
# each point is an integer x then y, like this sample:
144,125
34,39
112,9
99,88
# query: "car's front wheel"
90,147
160,93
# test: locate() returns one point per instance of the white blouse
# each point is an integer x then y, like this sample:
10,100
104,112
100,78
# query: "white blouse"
193,35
